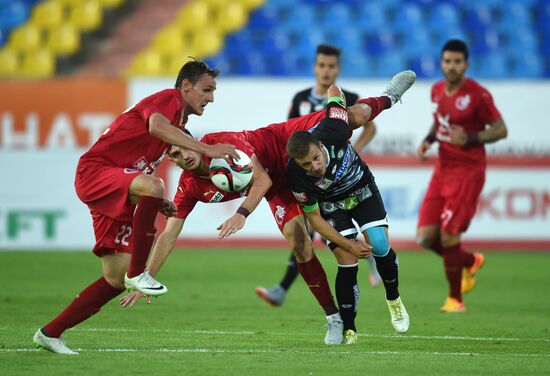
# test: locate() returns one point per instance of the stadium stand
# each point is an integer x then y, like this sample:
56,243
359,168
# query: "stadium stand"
278,37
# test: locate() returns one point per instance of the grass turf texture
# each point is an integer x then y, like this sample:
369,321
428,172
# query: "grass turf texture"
212,323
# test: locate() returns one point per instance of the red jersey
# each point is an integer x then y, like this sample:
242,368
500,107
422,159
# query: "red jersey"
472,108
267,144
128,143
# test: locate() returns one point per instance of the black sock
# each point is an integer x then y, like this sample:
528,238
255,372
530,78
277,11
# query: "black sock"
388,269
347,294
291,273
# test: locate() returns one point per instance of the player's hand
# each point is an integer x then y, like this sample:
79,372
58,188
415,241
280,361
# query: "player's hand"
132,298
168,208
359,249
221,151
422,150
231,226
457,135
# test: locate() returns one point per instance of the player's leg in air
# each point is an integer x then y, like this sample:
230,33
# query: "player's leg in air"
115,240
441,222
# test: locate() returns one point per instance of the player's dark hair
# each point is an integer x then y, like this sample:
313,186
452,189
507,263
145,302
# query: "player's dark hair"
298,144
325,49
193,70
456,45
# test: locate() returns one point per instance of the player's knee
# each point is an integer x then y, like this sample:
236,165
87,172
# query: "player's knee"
299,241
449,240
425,240
154,187
116,280
378,240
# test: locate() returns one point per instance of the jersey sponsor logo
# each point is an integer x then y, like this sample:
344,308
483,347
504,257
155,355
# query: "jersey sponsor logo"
305,108
323,183
338,113
463,102
130,171
345,163
217,197
301,197
280,214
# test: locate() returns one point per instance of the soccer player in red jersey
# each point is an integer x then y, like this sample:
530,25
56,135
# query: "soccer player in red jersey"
465,118
115,175
266,146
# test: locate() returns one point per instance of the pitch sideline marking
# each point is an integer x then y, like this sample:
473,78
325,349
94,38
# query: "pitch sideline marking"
286,351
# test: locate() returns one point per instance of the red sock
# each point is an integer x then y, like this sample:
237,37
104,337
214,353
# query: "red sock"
377,105
316,279
468,258
85,305
452,259
143,232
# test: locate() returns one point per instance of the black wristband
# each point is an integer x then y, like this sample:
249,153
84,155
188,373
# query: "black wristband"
430,138
472,138
243,211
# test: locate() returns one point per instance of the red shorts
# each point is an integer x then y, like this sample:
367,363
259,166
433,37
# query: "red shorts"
283,206
451,200
105,190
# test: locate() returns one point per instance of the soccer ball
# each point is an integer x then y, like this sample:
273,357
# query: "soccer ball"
232,176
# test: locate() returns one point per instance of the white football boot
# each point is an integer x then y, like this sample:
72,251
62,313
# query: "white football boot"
335,330
55,345
399,84
273,295
399,315
145,283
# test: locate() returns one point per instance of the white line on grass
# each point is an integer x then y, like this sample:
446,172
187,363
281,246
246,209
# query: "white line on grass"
320,351
251,333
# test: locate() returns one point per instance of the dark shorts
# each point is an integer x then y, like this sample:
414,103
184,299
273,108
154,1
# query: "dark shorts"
368,213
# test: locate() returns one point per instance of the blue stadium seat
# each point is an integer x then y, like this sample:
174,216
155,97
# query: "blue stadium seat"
426,66
527,65
252,64
444,16
239,42
263,17
407,17
416,42
485,42
371,17
389,64
442,36
346,38
478,19
380,42
300,19
13,14
336,15
494,65
525,38
220,62
514,16
357,65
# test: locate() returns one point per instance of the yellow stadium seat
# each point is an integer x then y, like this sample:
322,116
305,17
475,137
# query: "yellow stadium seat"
25,38
231,17
169,41
87,16
47,14
8,63
111,4
147,63
37,64
175,63
64,40
252,4
193,16
206,42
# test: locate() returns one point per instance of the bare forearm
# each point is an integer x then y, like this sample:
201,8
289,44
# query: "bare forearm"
326,230
495,132
161,128
164,245
257,192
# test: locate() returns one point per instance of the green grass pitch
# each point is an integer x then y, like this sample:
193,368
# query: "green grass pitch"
212,323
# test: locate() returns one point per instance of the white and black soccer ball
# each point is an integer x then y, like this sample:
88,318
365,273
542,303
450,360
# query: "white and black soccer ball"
233,176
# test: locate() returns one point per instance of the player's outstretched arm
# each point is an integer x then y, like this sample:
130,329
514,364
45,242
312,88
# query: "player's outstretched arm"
261,182
161,250
368,133
358,249
160,127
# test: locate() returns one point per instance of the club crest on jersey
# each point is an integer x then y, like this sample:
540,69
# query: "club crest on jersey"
279,214
323,183
463,102
217,197
305,108
140,164
300,197
338,113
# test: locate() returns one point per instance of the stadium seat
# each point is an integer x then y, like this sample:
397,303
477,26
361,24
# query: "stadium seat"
444,16
86,16
252,4
169,40
336,15
63,40
527,65
371,17
485,42
252,64
25,38
442,36
48,14
407,17
231,17
357,65
302,18
206,42
493,65
111,4
264,17
380,42
147,63
416,42
426,66
514,16
478,19
37,64
524,38
13,14
8,63
239,42
193,16
389,63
